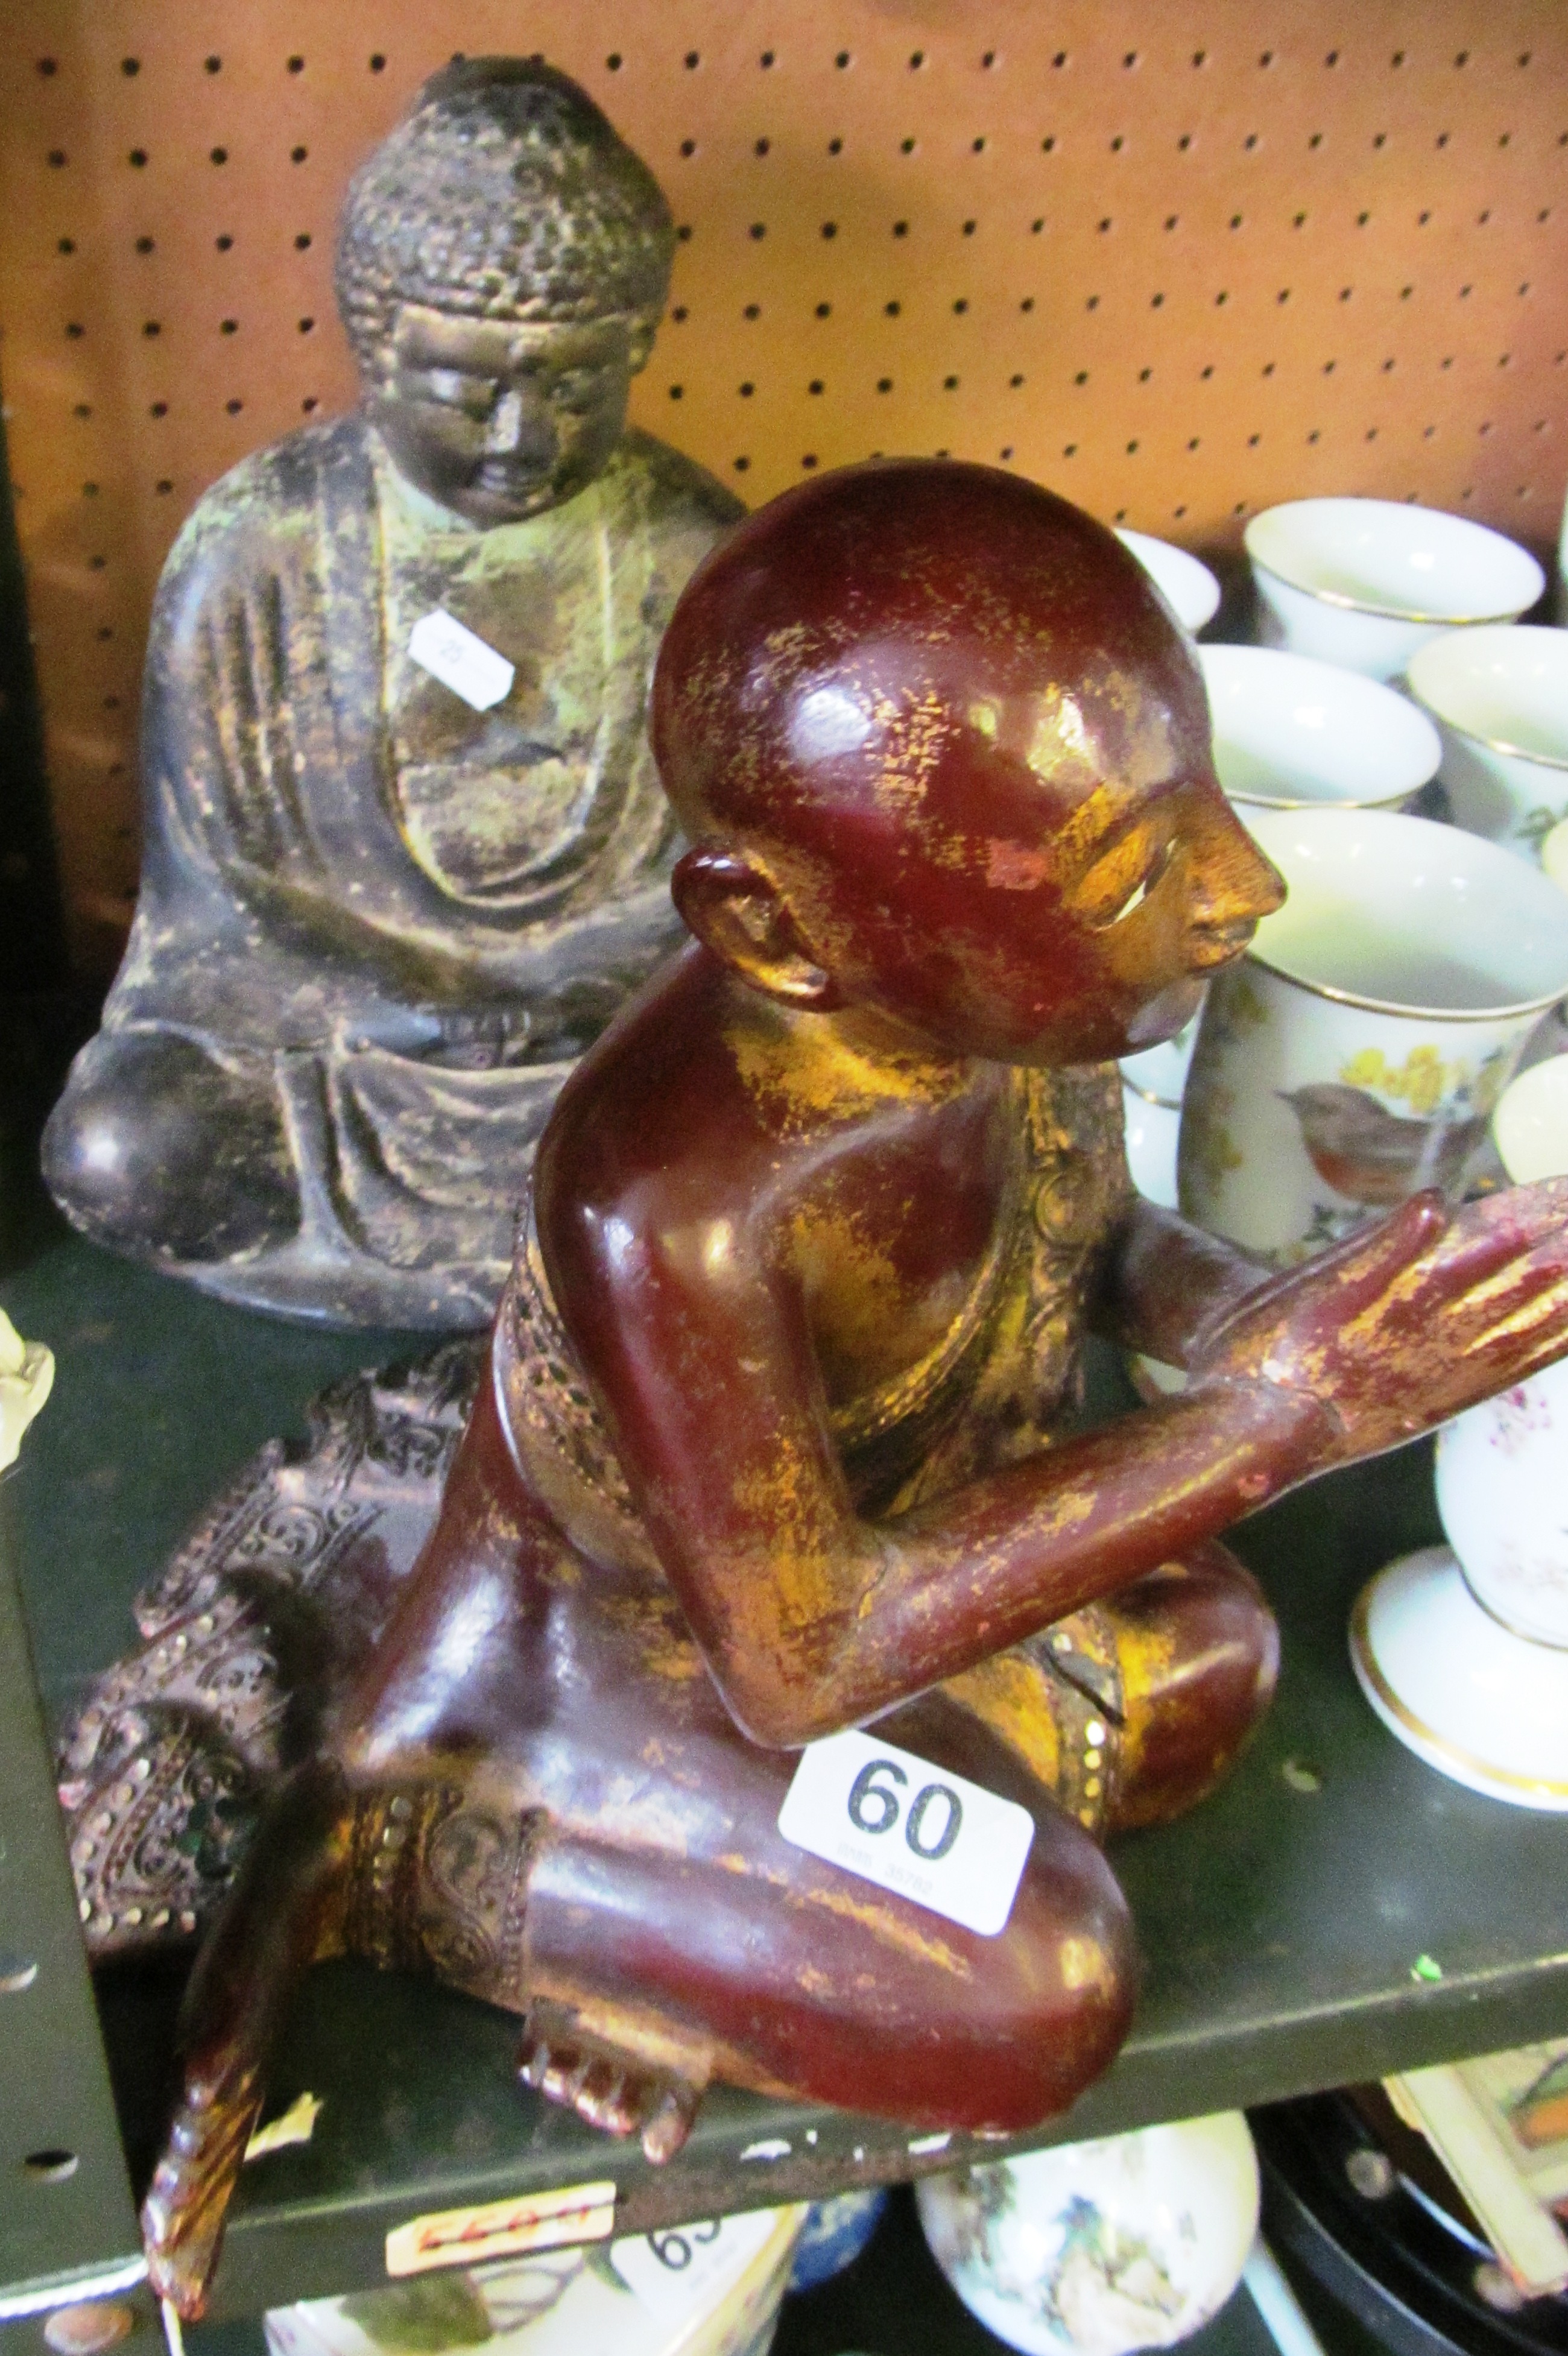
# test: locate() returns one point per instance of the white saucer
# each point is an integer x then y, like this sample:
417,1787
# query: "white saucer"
1467,1696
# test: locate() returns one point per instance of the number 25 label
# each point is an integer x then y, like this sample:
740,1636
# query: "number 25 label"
910,1827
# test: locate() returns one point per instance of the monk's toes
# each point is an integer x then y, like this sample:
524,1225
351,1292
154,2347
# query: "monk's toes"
609,2089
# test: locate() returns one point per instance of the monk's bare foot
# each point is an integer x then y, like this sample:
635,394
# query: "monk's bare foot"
606,2086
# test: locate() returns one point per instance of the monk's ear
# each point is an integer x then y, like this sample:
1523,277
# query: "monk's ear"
738,911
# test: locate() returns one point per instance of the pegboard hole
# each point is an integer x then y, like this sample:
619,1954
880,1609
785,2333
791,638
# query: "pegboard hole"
741,465
378,62
52,2165
213,65
677,391
692,60
302,242
46,66
842,61
989,59
745,390
158,409
224,243
612,63
309,403
130,67
295,155
752,311
296,65
815,386
233,407
960,306
835,147
137,159
228,327
144,245
824,310
766,60
1027,303
66,245
916,59
893,309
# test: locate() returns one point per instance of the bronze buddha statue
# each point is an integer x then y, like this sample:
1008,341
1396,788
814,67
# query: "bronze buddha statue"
377,923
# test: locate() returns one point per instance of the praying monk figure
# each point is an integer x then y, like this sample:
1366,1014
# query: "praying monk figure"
778,1435
383,908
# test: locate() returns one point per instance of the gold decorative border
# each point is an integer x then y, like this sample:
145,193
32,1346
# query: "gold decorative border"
1345,605
1362,1655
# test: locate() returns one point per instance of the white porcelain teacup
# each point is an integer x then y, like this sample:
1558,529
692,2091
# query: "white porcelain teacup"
1500,696
1356,1053
1290,733
1185,583
1365,583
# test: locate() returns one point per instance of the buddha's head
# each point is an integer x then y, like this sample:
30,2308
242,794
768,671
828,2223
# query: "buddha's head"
941,751
502,267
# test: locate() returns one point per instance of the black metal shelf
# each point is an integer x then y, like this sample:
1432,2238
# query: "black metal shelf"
1281,1925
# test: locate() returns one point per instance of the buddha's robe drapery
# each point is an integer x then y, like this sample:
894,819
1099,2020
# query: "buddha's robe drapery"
405,917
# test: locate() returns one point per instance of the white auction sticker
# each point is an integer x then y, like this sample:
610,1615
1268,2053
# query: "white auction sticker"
685,2266
460,659
910,1827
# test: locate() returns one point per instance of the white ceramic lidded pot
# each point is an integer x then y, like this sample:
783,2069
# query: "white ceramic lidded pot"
1500,697
1463,1650
1366,582
1356,1051
1099,2248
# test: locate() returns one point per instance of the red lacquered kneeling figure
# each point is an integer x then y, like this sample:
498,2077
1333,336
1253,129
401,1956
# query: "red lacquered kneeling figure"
777,1437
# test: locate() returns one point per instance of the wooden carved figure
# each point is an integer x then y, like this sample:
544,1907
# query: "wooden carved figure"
778,1435
406,847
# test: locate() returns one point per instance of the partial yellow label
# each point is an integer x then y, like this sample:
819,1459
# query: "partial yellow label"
502,2229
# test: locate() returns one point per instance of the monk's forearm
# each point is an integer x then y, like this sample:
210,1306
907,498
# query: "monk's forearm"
964,1579
1164,1278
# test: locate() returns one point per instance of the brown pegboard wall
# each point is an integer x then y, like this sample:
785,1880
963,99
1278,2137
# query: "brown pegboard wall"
1178,262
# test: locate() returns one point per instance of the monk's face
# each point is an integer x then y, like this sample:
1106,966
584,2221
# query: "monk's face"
500,420
1060,928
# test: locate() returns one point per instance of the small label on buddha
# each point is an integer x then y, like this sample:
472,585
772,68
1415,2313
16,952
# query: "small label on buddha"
910,1827
460,659
673,2273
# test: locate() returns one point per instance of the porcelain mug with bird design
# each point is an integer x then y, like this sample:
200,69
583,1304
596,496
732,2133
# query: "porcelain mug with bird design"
1354,1056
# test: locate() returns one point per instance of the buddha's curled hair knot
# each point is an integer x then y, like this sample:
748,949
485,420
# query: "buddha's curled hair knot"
505,194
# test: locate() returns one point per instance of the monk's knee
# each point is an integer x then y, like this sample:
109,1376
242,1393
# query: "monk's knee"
1199,1651
157,1150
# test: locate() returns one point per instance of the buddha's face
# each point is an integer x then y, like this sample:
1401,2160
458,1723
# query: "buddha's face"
498,419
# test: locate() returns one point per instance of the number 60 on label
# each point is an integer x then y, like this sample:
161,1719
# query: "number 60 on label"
912,1828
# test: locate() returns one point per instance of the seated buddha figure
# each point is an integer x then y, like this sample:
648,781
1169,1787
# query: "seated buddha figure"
383,907
779,1435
